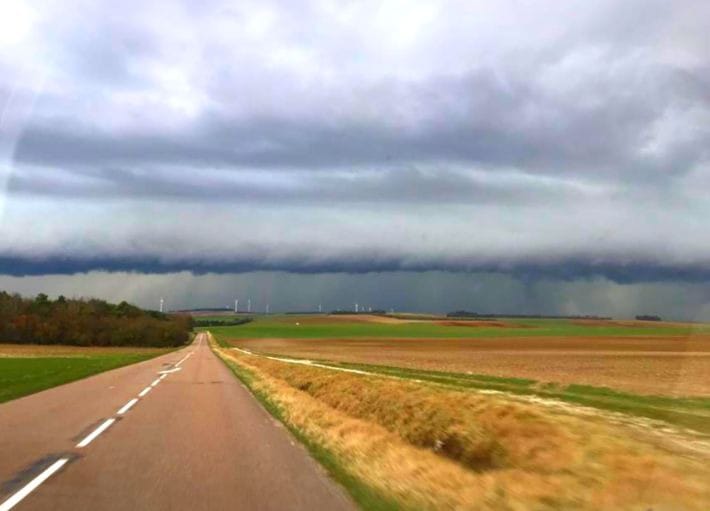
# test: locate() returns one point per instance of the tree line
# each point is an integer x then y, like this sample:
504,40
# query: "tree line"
92,322
221,322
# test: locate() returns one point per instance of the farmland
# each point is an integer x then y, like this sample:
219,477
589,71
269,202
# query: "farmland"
347,327
659,359
26,369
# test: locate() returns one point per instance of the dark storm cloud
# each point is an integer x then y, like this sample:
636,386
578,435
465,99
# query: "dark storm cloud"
557,270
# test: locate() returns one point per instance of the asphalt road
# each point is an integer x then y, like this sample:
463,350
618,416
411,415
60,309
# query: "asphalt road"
196,440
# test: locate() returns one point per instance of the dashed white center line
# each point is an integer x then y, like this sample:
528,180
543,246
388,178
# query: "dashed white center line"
54,467
32,485
104,426
183,359
127,406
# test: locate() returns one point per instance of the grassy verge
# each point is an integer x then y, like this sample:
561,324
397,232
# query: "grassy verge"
20,376
417,445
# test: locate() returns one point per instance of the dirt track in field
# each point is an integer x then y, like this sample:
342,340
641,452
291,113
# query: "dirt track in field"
676,366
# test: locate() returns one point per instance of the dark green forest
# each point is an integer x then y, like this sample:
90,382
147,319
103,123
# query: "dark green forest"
91,322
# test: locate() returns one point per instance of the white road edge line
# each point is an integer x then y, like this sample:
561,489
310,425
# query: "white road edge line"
155,382
104,426
127,406
32,485
144,391
168,371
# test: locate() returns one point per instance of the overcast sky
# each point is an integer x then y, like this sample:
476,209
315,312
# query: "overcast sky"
561,146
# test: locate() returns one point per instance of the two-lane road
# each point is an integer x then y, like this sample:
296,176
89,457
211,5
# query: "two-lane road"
155,436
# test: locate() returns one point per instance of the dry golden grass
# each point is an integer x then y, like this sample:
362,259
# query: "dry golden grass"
432,448
36,350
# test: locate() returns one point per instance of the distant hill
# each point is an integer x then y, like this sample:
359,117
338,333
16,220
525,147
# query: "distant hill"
467,314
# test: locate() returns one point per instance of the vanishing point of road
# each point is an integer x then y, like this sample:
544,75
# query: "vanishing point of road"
177,432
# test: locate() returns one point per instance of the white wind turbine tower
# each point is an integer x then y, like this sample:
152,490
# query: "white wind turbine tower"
162,303
249,305
236,306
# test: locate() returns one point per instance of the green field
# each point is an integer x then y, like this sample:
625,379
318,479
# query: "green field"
286,327
20,376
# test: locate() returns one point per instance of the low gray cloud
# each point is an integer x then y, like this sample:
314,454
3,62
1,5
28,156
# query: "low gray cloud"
407,185
608,125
